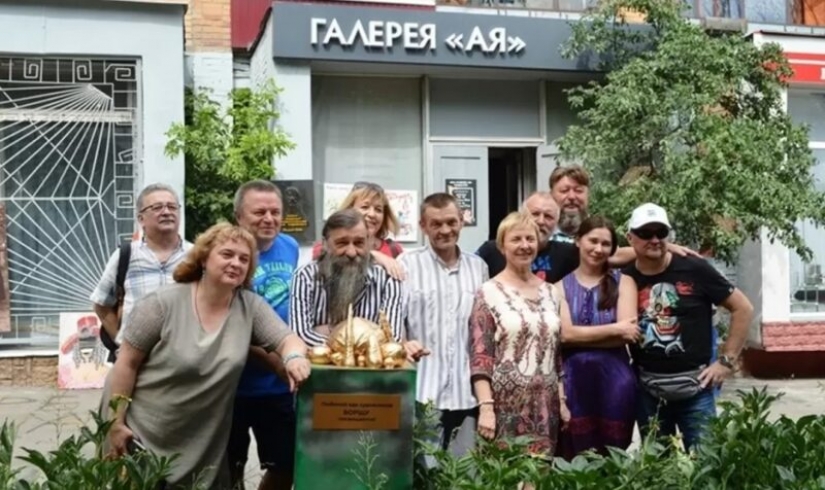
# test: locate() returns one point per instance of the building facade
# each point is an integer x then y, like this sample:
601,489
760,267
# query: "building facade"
423,97
419,100
85,102
416,95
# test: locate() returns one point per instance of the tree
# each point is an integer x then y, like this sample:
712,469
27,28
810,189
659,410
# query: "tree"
225,145
692,120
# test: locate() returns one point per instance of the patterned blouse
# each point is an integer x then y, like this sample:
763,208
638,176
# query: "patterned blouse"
515,343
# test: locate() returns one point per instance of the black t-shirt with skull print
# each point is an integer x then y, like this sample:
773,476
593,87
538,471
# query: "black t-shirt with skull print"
676,314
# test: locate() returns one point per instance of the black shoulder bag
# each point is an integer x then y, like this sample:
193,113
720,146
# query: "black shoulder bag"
120,293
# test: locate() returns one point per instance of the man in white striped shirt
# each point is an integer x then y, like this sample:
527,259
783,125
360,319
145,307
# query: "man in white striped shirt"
441,284
344,274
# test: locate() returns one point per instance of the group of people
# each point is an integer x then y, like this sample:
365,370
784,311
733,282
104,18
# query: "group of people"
550,331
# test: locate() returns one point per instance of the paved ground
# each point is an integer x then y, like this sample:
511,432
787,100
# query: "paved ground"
45,416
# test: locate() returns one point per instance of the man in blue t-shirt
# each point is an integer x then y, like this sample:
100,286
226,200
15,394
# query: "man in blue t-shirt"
264,402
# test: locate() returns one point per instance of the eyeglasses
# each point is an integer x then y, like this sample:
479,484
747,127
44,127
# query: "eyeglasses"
158,207
648,233
362,184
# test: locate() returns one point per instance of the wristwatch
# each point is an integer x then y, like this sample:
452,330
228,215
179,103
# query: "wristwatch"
727,361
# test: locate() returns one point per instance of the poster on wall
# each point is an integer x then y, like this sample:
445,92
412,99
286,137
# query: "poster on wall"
464,190
404,204
299,204
82,358
334,195
5,295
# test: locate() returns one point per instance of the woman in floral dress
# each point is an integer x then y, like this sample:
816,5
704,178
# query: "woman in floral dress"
515,346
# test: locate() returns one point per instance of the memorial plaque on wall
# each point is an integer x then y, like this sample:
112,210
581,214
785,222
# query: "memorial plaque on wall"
464,191
299,210
5,313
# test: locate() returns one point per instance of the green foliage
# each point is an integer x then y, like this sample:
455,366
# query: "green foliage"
225,145
782,453
743,449
78,464
693,121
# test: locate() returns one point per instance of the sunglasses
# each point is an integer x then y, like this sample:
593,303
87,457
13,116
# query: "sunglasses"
361,184
648,233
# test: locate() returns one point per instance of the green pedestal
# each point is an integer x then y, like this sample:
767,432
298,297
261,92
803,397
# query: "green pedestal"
336,409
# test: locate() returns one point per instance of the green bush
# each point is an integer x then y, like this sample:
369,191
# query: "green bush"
79,464
743,449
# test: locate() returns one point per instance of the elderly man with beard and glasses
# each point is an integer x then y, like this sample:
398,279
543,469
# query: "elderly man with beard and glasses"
343,275
554,259
442,281
570,188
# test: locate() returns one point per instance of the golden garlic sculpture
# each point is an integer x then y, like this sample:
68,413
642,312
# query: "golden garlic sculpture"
357,342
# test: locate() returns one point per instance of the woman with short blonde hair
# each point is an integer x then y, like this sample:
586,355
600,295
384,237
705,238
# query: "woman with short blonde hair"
515,353
179,364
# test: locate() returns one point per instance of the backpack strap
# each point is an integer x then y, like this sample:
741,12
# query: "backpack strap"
125,253
122,269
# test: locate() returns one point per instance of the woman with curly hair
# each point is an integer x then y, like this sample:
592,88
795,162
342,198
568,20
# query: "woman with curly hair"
178,367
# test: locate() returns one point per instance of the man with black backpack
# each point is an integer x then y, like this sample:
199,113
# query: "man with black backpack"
141,266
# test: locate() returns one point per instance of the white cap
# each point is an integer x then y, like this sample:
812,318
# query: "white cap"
648,213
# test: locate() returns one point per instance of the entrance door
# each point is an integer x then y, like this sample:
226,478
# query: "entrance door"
462,171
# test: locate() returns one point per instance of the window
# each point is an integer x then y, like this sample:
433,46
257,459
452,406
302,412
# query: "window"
807,280
67,155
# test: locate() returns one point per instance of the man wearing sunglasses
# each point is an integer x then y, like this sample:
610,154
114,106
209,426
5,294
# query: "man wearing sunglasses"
570,187
674,359
149,261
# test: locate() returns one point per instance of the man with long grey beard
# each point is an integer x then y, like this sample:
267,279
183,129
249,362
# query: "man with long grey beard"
345,275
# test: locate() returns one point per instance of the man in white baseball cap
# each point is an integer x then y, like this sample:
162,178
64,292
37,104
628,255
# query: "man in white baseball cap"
646,214
675,360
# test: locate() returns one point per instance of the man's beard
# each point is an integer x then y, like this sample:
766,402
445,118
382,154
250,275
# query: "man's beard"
570,220
344,279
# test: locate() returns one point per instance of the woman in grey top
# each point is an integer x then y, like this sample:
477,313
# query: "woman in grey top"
179,365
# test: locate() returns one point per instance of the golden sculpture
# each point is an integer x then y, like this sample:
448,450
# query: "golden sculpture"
357,342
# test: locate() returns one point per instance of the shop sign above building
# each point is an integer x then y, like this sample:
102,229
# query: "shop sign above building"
384,35
411,36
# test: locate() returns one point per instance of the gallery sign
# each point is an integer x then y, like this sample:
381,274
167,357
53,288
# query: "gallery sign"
383,35
411,36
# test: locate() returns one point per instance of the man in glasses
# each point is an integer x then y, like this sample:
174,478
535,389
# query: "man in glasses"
676,296
149,261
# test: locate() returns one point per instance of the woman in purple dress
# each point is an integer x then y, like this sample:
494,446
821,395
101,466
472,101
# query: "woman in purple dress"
596,326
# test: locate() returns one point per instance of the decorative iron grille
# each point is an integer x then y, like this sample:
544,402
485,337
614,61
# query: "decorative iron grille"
68,156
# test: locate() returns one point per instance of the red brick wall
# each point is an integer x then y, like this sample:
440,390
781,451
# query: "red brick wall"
793,336
208,26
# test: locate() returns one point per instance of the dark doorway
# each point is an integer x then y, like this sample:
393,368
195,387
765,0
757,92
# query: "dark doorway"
510,171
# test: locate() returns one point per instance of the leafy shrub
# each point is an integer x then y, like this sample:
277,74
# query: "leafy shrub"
743,449
79,464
